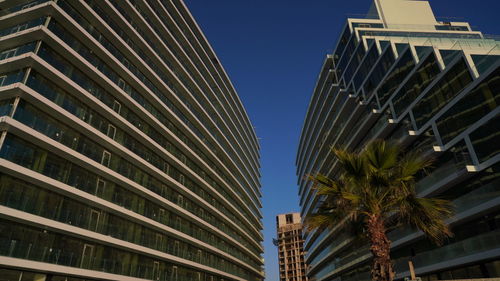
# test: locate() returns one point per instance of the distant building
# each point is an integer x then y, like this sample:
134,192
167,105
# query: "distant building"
434,87
290,247
125,152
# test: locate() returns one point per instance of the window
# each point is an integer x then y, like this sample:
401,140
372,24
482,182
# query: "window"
106,157
7,54
88,252
486,139
166,168
471,108
416,84
156,270
111,131
174,276
117,107
176,250
161,215
121,83
394,78
198,256
94,219
449,85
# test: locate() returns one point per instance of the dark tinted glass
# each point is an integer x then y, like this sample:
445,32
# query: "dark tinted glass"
396,76
450,85
472,107
419,80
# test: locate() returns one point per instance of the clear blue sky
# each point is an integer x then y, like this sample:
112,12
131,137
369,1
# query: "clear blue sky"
272,51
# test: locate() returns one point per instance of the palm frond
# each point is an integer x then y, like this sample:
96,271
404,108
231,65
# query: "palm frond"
428,215
323,221
381,155
319,180
379,180
411,164
351,163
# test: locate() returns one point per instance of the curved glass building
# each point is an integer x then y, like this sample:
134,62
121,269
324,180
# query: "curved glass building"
125,152
434,87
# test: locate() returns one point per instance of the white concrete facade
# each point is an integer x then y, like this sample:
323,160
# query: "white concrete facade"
175,120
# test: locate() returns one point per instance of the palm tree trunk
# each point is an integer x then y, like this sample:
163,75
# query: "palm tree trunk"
381,248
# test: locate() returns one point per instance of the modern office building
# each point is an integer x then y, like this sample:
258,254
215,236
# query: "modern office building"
290,245
434,87
125,152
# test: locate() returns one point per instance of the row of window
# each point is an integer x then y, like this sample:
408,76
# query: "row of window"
178,73
32,243
368,62
184,60
27,155
36,119
54,59
90,56
61,98
26,197
205,59
332,132
112,75
17,52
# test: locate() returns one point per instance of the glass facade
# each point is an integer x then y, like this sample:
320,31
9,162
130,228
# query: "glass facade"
482,100
432,92
144,152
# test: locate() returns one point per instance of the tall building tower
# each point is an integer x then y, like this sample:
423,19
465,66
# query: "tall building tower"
125,152
290,247
433,87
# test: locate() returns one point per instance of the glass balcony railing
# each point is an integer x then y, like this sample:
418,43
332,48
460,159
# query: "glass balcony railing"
419,34
452,167
318,239
345,259
19,50
21,6
473,245
485,193
330,247
22,26
375,129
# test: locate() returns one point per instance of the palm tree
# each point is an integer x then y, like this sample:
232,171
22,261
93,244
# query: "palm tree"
375,189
